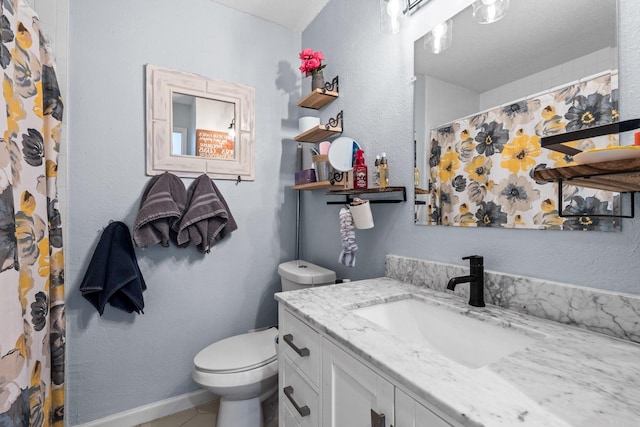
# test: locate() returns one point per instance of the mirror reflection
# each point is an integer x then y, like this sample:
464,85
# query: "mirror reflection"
202,127
545,67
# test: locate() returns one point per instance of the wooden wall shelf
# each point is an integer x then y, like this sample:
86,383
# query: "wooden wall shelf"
320,185
620,175
318,133
318,99
322,132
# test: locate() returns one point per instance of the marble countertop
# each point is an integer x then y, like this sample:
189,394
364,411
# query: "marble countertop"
570,377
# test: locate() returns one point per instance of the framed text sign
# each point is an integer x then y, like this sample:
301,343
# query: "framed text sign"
214,144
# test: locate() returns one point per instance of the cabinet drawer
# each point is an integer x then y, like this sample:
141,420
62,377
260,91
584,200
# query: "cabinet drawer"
301,344
298,397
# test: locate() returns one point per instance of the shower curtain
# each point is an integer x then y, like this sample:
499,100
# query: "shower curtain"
32,319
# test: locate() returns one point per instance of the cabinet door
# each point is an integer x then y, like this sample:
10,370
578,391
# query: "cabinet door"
351,391
286,418
410,413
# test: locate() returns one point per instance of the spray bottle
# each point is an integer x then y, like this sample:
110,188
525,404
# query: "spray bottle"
360,176
384,171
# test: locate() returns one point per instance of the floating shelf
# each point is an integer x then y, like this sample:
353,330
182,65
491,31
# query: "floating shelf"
322,132
620,175
320,97
320,185
318,134
370,191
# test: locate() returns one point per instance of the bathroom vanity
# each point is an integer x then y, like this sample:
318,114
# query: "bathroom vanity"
352,356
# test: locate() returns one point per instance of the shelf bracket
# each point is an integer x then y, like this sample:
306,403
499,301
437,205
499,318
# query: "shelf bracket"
563,215
331,86
334,122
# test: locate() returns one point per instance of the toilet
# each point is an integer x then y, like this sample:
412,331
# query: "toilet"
243,369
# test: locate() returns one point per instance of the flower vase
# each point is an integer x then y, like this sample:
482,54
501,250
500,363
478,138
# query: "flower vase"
317,80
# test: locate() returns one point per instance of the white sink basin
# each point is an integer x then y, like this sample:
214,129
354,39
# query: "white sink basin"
471,341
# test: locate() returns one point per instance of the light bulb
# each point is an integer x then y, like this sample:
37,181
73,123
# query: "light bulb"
489,11
440,30
439,39
394,10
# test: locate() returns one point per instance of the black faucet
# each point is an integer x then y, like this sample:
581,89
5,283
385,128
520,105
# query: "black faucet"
475,279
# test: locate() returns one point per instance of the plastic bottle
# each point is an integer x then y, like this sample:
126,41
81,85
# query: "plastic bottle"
384,171
360,175
376,171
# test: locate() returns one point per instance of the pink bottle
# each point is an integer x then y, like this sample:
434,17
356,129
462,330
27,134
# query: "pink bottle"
360,175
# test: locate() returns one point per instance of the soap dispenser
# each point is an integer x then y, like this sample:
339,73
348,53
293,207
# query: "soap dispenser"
384,171
360,175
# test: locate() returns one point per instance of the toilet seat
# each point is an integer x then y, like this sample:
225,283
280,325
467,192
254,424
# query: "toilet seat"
239,353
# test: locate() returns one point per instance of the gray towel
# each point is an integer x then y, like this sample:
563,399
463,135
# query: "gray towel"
206,219
162,204
113,275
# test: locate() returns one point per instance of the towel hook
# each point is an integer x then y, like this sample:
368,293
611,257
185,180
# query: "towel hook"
239,180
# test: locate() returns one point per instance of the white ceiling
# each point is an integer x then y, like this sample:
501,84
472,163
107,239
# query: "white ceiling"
534,35
293,14
547,30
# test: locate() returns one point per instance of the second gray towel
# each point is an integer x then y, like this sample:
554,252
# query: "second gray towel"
206,219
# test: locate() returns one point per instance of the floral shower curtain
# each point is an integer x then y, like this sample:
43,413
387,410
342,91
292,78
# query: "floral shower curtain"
32,314
481,166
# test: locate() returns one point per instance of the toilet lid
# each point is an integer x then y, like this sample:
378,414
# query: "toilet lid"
239,353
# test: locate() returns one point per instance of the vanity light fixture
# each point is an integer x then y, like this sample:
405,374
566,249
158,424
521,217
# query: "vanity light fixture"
489,11
394,14
439,39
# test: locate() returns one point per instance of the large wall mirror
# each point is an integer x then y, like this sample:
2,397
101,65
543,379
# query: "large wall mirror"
485,93
198,125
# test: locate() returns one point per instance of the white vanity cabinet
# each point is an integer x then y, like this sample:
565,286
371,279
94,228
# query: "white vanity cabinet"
353,394
322,384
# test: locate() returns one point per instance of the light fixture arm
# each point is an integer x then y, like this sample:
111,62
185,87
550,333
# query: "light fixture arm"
394,13
415,3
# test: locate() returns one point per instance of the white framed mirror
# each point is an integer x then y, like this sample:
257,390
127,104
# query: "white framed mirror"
198,125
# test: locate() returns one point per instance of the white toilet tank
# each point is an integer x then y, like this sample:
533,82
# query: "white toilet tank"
299,274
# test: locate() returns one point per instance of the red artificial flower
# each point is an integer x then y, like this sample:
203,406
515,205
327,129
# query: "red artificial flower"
311,61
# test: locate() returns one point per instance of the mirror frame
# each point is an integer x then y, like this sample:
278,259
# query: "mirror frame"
161,83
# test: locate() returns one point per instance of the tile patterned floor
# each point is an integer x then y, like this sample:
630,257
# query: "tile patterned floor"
205,416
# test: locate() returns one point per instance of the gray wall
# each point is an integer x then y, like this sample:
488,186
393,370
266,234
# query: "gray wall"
122,361
376,94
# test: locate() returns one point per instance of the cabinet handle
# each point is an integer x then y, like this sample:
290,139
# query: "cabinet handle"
301,351
304,410
377,420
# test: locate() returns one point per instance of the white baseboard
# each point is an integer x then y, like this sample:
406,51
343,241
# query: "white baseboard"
152,411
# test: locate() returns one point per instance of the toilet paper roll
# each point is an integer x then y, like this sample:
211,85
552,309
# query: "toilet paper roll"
305,123
361,214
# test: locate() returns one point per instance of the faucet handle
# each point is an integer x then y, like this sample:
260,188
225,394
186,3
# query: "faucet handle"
475,260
